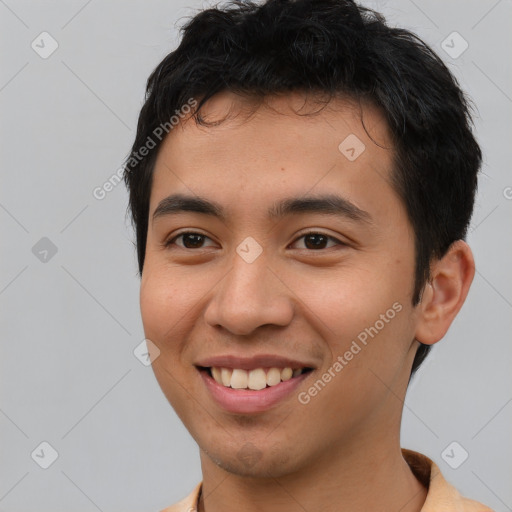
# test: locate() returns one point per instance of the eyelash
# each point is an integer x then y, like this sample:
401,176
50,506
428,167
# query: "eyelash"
170,242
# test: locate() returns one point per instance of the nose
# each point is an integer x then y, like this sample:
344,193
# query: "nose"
249,296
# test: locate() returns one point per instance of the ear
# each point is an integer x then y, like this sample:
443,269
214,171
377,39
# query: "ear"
444,294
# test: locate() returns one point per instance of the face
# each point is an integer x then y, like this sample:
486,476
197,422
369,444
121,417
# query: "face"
316,285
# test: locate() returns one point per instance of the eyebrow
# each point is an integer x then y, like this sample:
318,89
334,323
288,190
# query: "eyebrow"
327,204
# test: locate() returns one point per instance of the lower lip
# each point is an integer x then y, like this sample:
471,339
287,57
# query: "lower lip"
246,401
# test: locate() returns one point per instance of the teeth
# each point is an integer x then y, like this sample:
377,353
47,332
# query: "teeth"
254,379
225,377
216,374
273,376
239,379
257,379
286,373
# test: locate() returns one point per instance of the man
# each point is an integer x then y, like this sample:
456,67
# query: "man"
301,184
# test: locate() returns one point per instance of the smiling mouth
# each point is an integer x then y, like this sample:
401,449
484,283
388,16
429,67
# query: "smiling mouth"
256,379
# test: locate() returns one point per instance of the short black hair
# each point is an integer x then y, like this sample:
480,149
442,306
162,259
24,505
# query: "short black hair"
326,47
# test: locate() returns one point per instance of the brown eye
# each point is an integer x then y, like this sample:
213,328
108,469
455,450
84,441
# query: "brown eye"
190,240
316,241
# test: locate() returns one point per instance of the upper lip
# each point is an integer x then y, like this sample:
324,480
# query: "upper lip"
250,363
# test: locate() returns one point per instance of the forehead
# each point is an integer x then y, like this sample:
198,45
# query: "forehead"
295,117
286,145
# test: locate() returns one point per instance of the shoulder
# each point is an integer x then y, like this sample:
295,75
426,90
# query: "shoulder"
442,496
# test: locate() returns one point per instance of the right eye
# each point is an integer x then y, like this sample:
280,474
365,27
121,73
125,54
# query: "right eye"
190,238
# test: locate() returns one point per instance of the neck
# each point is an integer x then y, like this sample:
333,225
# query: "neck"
357,480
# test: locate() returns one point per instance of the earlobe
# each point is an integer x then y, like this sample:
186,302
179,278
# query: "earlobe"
444,295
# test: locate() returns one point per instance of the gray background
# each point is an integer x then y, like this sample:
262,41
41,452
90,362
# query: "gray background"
70,321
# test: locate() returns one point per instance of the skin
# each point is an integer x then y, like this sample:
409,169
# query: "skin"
341,451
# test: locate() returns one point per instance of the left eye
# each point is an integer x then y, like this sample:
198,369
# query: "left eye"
317,240
313,240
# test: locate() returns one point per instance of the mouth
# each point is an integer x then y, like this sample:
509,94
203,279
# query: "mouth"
256,379
241,391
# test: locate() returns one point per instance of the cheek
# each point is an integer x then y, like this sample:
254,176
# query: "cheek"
164,318
153,307
364,315
368,357
167,310
346,301
167,300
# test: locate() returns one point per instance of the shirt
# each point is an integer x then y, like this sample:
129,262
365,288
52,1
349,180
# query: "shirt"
441,495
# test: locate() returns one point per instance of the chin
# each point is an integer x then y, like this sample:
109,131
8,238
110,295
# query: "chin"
250,461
